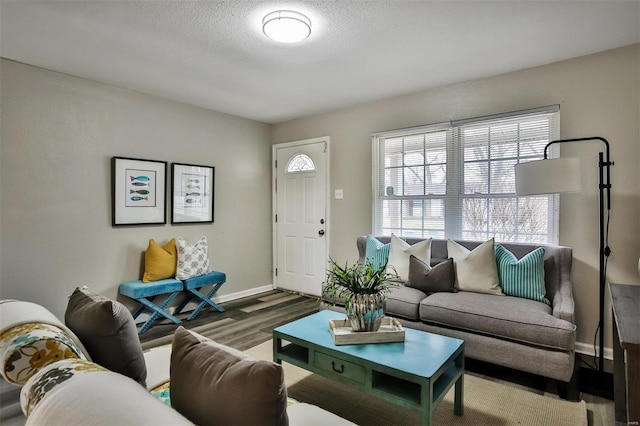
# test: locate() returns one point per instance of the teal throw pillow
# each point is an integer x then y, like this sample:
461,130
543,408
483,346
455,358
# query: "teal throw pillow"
376,253
524,277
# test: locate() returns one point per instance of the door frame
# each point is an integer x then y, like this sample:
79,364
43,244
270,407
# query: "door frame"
274,201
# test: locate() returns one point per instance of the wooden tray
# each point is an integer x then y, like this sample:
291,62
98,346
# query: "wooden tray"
390,331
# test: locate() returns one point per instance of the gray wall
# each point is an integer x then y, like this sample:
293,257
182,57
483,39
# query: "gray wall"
59,132
58,135
598,96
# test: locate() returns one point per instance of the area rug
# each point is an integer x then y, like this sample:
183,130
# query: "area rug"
485,402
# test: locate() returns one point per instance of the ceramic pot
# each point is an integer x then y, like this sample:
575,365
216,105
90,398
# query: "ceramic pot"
365,312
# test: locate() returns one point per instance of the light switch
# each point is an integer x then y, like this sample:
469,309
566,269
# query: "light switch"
339,195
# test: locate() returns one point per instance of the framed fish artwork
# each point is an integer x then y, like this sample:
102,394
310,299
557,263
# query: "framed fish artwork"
192,193
138,191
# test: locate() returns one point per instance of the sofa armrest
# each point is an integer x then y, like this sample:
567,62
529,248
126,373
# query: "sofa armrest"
563,303
361,243
75,392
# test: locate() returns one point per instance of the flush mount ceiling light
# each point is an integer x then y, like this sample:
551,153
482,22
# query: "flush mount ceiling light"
286,26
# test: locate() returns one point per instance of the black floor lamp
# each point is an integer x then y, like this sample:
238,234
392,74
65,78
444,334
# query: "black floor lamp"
549,176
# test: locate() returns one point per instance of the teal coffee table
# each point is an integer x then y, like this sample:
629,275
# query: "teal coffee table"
415,374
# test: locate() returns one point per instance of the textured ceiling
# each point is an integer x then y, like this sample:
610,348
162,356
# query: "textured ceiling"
213,54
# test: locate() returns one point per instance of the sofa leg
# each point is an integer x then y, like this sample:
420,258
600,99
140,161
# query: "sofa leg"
569,390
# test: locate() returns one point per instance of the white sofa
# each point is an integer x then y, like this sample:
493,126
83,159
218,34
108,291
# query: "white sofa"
67,387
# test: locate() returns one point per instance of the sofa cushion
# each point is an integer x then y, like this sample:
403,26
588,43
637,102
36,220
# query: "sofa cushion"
216,385
431,279
159,262
404,302
301,413
108,331
505,317
400,252
476,269
522,277
377,253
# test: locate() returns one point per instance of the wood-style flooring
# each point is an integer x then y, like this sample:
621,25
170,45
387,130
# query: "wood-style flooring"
244,323
250,321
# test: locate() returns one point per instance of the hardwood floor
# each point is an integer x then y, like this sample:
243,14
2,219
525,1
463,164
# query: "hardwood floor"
250,321
245,322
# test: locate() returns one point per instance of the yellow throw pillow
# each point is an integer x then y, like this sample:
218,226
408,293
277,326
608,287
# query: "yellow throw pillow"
159,262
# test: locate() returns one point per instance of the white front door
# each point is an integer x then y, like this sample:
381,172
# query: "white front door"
300,215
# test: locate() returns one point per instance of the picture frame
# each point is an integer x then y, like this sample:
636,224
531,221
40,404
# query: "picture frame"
139,189
192,193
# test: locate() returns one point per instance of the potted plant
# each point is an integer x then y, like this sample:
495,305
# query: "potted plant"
364,290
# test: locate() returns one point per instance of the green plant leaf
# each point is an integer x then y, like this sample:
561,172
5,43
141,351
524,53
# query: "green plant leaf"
343,282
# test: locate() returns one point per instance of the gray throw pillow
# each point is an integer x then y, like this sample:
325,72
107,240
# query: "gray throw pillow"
439,278
216,385
108,331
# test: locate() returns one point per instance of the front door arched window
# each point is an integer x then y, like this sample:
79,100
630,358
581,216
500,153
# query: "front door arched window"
300,163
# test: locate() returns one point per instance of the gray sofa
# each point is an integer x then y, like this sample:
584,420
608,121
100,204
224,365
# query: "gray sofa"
508,331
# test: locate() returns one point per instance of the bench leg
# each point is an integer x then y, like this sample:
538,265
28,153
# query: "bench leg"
180,307
205,300
140,309
157,311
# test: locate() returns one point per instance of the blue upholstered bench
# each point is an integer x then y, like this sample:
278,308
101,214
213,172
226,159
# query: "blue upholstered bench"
144,293
191,285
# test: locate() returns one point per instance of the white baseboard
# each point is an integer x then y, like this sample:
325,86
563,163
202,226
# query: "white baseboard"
144,316
587,349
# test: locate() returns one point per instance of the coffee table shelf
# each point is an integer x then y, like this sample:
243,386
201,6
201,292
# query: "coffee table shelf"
295,354
403,389
416,373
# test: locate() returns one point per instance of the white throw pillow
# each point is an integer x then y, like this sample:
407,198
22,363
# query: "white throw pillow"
193,260
401,251
476,270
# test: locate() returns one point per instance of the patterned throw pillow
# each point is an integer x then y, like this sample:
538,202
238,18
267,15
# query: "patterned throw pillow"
193,260
376,253
522,278
27,348
75,392
52,377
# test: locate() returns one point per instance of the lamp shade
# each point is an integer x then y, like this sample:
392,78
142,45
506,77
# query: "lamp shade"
548,176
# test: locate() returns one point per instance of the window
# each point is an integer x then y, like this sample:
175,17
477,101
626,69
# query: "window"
457,180
300,163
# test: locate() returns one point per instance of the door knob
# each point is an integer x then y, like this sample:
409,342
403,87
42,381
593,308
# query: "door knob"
321,232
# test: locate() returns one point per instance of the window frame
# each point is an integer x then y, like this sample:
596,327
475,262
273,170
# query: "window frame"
455,195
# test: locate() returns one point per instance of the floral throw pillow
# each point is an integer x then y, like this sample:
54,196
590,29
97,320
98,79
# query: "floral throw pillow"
25,349
193,259
47,379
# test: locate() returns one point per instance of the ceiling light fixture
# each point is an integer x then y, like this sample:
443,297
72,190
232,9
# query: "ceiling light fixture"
286,26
